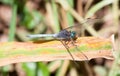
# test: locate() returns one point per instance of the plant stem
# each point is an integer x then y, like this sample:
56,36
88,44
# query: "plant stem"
13,23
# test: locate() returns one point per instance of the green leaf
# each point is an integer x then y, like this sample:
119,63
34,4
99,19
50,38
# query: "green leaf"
31,19
29,68
9,2
69,15
43,70
13,23
55,15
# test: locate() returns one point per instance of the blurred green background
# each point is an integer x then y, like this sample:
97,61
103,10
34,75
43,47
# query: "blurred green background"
19,18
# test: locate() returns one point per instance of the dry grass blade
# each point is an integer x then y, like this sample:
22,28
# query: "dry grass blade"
92,47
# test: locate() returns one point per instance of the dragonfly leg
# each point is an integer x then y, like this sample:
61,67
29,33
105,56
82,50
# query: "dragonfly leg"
78,48
73,41
64,43
67,42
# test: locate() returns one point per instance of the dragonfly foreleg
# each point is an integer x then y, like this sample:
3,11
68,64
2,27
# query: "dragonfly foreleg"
67,42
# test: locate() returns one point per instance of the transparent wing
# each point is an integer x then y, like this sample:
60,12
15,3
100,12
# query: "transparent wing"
79,27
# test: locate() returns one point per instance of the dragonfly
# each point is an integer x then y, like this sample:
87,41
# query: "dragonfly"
67,35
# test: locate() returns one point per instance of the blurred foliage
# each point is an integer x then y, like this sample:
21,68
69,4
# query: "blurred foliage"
31,19
32,15
36,69
7,2
29,69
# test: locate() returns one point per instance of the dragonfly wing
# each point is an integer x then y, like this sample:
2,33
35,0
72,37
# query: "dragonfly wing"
79,26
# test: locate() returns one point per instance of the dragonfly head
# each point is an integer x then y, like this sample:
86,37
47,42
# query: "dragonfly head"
73,35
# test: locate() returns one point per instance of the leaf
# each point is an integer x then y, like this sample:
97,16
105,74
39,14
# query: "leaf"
92,47
29,68
31,19
43,70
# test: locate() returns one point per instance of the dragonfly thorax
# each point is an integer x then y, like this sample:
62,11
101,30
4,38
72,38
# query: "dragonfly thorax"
66,35
63,35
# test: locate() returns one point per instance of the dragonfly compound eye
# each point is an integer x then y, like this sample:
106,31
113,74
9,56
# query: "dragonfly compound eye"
73,34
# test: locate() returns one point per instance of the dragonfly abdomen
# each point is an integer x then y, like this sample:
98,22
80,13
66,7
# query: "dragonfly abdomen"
40,35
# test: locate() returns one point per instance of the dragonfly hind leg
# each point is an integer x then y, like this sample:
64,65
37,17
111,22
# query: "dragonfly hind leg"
73,43
67,48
